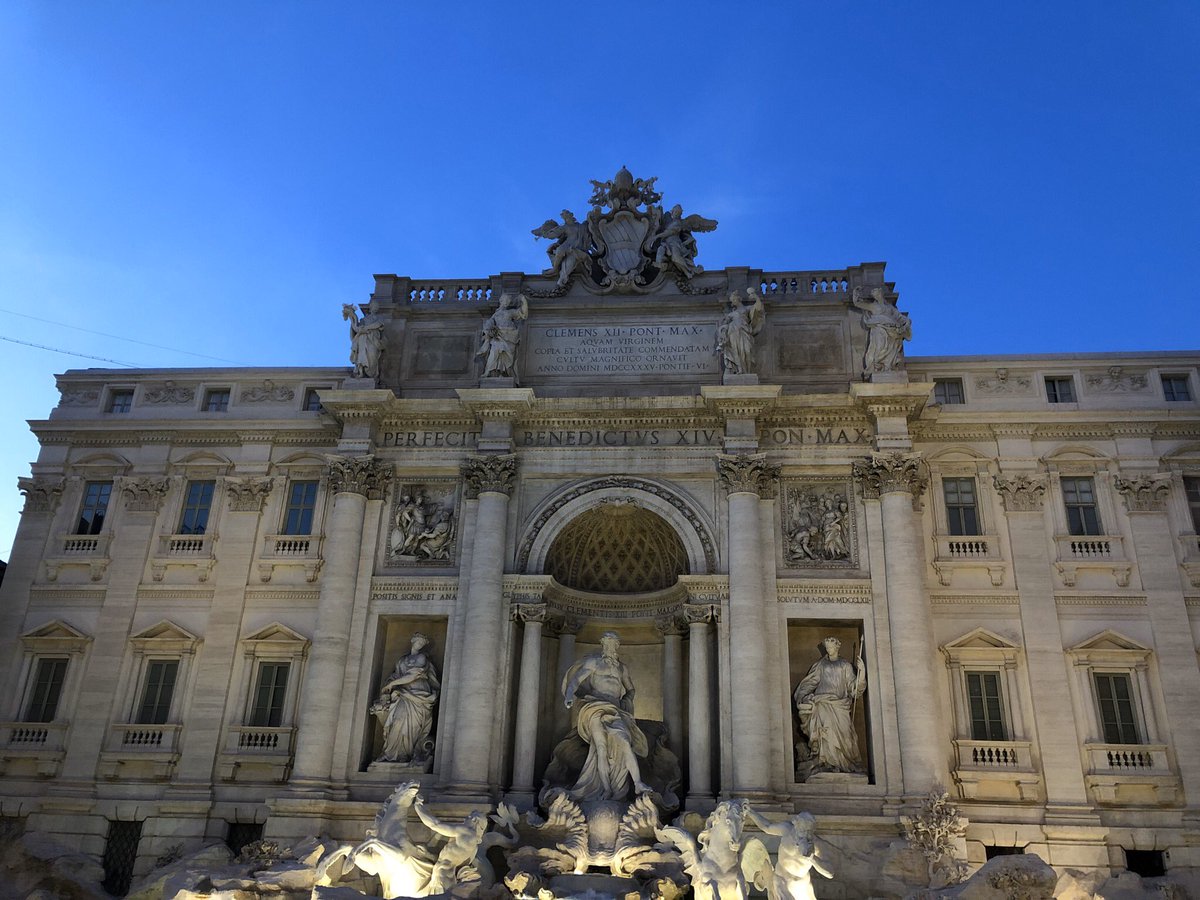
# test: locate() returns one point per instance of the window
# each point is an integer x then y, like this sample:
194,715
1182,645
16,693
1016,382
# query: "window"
216,400
270,692
47,689
1191,486
120,854
312,400
962,510
1114,693
1060,390
122,401
302,500
1175,387
983,696
197,502
155,707
95,506
948,391
1079,496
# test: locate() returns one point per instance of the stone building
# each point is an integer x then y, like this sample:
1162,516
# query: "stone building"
218,570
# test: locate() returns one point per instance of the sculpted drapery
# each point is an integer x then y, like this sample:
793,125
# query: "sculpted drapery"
825,701
409,695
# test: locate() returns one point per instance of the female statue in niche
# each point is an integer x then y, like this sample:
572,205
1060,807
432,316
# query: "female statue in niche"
405,706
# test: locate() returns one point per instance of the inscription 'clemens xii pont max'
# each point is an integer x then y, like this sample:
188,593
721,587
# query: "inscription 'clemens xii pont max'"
651,349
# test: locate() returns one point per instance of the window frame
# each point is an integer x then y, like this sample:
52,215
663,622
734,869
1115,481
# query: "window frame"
34,682
292,483
275,643
1180,378
311,393
998,676
163,641
953,521
212,392
985,652
1119,724
186,506
1111,653
1052,394
149,714
55,639
125,394
957,383
1094,529
92,528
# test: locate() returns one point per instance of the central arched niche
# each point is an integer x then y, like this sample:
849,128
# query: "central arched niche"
617,547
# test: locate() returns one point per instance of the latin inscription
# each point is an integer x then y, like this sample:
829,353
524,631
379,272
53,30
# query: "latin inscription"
632,437
685,349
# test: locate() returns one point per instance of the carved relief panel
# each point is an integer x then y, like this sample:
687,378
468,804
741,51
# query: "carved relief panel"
423,530
818,522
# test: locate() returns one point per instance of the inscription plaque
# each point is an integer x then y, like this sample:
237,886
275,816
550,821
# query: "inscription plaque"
685,349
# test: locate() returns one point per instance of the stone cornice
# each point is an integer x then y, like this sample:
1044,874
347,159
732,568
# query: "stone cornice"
886,473
495,474
740,401
497,404
359,475
747,473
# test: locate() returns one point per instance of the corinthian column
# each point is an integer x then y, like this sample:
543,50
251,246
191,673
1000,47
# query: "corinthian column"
897,479
746,477
490,478
352,480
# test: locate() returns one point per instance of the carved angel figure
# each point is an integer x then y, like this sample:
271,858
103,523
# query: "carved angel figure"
675,245
887,330
716,861
572,243
501,335
791,877
735,335
366,339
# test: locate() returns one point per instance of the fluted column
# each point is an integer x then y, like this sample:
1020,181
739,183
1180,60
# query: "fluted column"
491,479
699,703
672,629
528,683
352,479
745,477
1145,499
897,479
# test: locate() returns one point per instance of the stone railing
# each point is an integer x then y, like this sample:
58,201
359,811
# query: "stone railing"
967,547
1002,755
450,291
78,545
804,284
185,545
1133,759
1088,548
247,739
144,738
33,735
291,546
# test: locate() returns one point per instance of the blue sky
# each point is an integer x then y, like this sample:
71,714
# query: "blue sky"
219,178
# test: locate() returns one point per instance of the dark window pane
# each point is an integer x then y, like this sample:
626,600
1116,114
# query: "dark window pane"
1114,692
302,499
95,505
948,390
120,401
47,689
1175,387
983,696
196,505
1079,497
1060,390
269,695
160,686
962,513
312,401
216,401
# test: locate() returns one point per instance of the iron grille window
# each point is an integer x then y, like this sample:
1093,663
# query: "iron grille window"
1079,496
216,400
1117,716
983,695
160,687
962,511
120,401
196,505
948,391
120,853
1060,390
95,505
1192,487
269,694
302,500
1175,387
47,689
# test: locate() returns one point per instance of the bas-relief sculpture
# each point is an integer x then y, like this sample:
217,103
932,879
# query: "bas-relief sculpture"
423,528
169,392
623,246
887,330
735,335
405,708
825,702
818,527
501,335
367,340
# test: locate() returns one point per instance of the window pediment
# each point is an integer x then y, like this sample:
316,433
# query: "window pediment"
164,637
55,636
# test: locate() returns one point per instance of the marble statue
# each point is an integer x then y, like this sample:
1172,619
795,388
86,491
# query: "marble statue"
887,330
403,866
601,690
716,861
459,851
825,700
735,335
366,339
676,246
405,706
796,858
501,335
572,242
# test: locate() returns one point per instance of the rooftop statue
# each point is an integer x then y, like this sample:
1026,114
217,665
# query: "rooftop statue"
367,339
887,330
628,243
501,335
735,335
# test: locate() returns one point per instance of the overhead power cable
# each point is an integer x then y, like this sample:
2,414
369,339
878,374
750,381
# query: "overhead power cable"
118,337
116,362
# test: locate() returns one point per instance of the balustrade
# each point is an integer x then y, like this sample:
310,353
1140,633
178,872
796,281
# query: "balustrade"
450,292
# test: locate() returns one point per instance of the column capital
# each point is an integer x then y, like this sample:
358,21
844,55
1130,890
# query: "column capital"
748,473
364,475
886,473
700,613
41,494
1144,493
528,612
1021,493
496,474
558,624
247,494
144,494
671,624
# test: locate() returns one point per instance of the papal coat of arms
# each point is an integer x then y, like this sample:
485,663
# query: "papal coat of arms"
628,243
